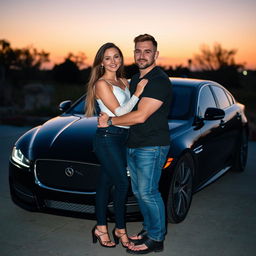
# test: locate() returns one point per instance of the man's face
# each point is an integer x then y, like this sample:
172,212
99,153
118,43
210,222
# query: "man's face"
145,54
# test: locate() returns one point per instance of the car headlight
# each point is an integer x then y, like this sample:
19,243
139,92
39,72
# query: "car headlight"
19,158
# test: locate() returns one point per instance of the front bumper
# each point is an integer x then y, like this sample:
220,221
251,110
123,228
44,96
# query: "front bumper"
30,196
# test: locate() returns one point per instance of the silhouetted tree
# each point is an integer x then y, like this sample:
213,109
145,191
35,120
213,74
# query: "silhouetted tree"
7,57
67,71
79,59
85,74
178,71
30,58
215,59
26,59
218,64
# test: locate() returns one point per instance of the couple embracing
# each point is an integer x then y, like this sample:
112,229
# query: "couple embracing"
132,130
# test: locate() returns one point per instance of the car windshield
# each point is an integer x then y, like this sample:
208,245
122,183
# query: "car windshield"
179,110
181,102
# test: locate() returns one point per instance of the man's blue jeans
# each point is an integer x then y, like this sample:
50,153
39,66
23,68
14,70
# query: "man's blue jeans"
145,166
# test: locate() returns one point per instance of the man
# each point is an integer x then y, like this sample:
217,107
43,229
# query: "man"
148,144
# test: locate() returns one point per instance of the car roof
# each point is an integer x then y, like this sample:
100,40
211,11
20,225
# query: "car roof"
191,82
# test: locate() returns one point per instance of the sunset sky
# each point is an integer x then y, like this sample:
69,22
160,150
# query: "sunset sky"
180,27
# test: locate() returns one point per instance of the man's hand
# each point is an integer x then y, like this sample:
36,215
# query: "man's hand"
102,120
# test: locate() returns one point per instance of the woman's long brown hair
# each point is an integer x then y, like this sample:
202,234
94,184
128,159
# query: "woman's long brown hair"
97,72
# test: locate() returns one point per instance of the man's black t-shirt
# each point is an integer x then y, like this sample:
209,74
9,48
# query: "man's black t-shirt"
154,131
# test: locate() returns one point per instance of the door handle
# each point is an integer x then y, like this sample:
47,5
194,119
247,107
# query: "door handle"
238,116
222,124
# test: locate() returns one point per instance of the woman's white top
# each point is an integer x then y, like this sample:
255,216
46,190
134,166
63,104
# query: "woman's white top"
122,96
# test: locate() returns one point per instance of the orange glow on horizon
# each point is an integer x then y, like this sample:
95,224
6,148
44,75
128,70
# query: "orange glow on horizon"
163,60
180,27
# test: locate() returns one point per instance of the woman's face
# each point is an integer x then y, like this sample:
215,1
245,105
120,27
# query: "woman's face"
111,60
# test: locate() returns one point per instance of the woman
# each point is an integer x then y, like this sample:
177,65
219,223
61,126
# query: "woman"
111,90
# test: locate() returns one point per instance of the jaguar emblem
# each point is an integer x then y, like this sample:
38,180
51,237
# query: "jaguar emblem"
69,171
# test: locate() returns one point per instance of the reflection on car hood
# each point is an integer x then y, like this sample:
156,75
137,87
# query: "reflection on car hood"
65,137
175,125
69,137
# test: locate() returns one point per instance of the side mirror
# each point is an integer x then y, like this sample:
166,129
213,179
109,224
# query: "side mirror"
214,114
65,105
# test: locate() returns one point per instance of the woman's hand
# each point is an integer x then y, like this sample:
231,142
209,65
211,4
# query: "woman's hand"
103,120
140,87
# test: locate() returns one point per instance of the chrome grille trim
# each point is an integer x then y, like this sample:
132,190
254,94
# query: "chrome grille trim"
74,207
40,184
62,190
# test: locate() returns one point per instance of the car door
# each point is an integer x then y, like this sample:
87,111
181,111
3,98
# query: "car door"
230,124
209,146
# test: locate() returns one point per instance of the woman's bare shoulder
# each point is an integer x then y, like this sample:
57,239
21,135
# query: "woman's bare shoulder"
101,83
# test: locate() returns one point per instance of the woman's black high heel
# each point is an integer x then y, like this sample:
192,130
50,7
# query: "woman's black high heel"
96,237
119,238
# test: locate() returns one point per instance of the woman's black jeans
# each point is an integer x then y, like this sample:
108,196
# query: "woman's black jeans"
110,148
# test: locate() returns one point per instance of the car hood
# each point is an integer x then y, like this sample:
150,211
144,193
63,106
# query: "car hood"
64,137
68,137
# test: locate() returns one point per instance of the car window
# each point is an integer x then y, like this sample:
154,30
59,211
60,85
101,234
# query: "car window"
221,97
206,100
181,102
231,99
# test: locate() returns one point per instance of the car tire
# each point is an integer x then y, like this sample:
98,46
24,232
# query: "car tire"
180,192
241,153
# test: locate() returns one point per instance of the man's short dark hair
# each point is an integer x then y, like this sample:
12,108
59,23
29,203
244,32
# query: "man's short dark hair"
145,37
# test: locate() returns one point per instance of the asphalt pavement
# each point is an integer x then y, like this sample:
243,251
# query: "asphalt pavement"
221,221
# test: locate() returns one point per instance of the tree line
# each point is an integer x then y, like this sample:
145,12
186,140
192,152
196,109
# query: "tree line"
19,64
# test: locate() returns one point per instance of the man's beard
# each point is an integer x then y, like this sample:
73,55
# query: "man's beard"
145,65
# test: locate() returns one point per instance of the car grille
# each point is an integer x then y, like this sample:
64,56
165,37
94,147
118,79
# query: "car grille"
67,175
74,207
